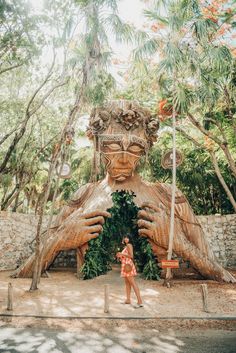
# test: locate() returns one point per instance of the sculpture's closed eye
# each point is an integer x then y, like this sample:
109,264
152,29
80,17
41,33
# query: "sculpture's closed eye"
135,149
113,147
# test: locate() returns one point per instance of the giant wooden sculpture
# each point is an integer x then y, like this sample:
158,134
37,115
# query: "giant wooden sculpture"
123,132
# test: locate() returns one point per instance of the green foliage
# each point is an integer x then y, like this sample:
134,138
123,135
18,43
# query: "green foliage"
97,92
193,65
97,258
79,70
195,177
80,161
123,221
186,45
20,34
68,187
6,180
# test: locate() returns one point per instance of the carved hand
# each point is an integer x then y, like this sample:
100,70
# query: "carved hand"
154,223
79,228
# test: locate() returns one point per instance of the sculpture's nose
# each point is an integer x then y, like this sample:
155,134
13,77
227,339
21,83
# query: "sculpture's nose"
124,158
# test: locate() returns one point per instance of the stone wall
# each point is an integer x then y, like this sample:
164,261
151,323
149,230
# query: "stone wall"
17,233
221,233
65,259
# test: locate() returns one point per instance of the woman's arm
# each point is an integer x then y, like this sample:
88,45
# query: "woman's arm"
130,251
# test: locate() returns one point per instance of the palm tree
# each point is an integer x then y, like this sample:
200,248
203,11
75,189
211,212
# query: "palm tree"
197,72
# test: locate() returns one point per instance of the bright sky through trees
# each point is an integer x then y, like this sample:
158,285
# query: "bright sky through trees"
130,11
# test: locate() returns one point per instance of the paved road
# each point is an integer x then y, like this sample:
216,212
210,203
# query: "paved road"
117,340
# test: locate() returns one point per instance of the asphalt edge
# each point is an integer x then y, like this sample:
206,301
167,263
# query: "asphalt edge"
219,318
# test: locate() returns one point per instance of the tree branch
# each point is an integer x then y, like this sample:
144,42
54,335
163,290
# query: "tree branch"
8,135
215,165
203,130
219,127
33,111
17,190
39,88
221,179
28,114
10,68
190,138
222,144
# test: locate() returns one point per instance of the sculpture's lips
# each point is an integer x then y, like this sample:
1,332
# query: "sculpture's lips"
122,170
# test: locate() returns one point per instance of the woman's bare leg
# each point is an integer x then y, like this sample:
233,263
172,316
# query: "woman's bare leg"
128,290
135,288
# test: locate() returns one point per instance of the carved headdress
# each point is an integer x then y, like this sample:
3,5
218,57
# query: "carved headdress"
124,121
122,117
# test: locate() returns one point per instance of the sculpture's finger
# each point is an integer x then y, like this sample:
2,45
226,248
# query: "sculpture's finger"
145,233
145,224
92,236
94,229
94,220
151,206
142,214
96,213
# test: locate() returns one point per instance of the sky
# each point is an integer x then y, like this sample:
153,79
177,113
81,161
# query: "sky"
130,11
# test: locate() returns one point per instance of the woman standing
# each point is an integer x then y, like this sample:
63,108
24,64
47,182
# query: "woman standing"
128,271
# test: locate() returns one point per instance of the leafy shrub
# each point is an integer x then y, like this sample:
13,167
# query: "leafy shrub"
101,252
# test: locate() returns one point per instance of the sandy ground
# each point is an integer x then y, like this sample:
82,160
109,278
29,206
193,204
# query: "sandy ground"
63,295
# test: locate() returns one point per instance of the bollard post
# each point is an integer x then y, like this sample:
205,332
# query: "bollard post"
106,298
10,297
204,291
80,261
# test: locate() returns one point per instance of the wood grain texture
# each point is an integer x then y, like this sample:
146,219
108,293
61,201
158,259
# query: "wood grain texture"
82,220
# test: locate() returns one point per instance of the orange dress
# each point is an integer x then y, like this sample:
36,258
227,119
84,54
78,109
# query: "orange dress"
124,261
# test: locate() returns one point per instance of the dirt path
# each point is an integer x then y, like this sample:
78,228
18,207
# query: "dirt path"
64,295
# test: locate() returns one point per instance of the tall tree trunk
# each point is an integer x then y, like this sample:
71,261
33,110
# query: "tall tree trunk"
16,203
173,190
28,114
229,157
221,179
8,135
215,165
37,261
70,121
36,267
222,144
8,200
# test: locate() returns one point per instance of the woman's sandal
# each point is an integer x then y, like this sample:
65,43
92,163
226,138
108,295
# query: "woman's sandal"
126,302
137,306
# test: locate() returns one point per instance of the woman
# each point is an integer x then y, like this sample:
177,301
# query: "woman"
128,272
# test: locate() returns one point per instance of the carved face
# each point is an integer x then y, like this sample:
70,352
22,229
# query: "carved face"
121,154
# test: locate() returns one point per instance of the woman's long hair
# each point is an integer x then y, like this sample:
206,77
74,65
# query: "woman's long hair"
123,239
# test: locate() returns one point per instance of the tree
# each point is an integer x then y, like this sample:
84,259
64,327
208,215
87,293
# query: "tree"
92,63
20,39
195,72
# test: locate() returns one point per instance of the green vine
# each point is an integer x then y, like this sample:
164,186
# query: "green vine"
102,250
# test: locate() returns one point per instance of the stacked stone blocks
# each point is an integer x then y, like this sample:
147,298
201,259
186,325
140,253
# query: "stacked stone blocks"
17,234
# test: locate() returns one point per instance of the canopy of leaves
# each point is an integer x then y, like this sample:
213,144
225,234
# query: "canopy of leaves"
185,54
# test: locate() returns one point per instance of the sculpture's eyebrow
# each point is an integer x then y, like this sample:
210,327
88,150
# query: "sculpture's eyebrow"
119,137
110,137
